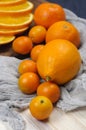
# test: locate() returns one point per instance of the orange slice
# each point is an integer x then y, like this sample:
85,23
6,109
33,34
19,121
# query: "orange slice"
20,9
6,39
10,22
11,32
11,2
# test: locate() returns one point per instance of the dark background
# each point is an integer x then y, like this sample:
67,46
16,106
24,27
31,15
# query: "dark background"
77,6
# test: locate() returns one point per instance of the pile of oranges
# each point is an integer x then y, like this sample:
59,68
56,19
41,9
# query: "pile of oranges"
51,28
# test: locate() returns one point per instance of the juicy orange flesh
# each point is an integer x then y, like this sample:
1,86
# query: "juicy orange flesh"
25,5
13,20
7,0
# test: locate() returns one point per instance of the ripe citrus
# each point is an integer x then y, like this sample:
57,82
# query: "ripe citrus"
36,51
48,13
59,61
27,66
41,107
37,34
22,45
11,2
28,82
16,9
6,39
50,90
63,30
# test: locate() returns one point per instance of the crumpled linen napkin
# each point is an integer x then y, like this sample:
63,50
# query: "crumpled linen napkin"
73,94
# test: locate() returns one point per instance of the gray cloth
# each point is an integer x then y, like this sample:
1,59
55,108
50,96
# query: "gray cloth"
73,94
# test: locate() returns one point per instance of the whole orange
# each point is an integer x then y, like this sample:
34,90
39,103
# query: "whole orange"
63,30
27,66
37,34
41,107
50,90
59,61
22,45
36,51
28,82
48,13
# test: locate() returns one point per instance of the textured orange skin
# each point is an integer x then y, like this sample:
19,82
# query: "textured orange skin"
50,90
27,66
48,13
37,34
63,30
41,107
22,45
28,82
59,61
35,51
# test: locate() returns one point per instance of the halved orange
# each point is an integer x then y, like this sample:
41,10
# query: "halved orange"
11,32
6,39
10,22
10,2
17,10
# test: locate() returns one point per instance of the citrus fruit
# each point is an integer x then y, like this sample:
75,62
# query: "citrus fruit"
50,90
59,61
17,10
10,32
63,30
11,2
40,107
36,51
18,22
28,82
37,34
6,39
22,45
27,66
48,13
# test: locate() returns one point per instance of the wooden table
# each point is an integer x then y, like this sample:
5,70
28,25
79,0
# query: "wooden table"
59,120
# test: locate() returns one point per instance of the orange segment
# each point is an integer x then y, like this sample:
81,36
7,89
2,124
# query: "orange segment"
11,2
15,22
6,39
7,32
20,9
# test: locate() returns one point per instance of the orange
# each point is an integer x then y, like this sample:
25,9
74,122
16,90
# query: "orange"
40,107
50,90
37,34
59,61
18,22
48,13
10,32
63,30
28,82
27,66
17,10
11,2
6,39
36,51
22,45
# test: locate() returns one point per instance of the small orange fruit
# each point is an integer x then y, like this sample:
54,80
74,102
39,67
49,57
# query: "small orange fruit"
41,107
36,51
48,13
50,90
37,34
28,82
22,45
63,30
59,61
27,66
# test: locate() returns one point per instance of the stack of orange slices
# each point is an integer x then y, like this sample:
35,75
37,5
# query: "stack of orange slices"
15,17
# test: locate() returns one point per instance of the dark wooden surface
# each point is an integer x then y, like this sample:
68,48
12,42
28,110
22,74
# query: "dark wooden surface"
6,50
